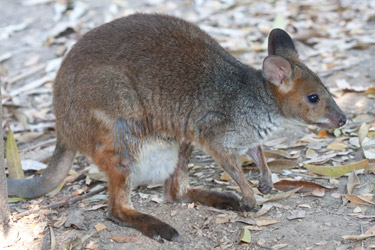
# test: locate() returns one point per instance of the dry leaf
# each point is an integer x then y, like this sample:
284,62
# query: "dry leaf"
254,228
27,136
96,207
280,196
370,91
280,153
368,147
245,161
336,171
354,141
358,200
304,206
370,167
32,165
319,192
275,142
321,243
124,238
157,198
265,208
223,218
306,186
310,153
53,239
60,222
371,230
100,227
95,174
296,214
279,246
362,132
225,176
92,245
337,146
265,222
282,164
353,181
321,158
76,219
322,134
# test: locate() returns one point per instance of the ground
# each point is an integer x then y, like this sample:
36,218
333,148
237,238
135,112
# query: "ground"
336,39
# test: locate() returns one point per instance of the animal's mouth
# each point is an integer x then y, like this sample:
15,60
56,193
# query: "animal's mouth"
331,124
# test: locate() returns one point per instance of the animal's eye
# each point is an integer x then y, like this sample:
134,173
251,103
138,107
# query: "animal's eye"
314,98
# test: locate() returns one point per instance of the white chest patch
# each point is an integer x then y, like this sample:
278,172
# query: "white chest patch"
157,160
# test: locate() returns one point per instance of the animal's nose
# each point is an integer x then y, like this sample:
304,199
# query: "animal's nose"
342,121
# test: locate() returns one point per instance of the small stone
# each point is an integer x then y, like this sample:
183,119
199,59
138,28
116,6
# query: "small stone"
261,242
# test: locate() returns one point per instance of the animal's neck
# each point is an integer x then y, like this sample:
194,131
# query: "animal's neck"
256,105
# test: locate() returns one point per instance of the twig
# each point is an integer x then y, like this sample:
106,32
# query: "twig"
79,176
40,144
25,74
69,201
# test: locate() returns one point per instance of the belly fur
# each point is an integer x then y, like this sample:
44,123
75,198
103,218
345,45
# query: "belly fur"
156,161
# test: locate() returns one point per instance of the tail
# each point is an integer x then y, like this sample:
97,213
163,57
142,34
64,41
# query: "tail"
58,168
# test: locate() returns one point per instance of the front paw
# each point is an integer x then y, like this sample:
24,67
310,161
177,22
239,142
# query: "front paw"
265,184
248,205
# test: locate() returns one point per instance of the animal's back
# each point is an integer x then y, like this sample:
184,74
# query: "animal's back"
138,67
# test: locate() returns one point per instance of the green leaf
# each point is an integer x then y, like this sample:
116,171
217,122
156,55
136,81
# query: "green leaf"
245,235
13,157
56,190
336,171
16,199
337,132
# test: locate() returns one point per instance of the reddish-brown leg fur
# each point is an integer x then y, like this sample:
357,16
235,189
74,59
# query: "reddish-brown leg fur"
119,188
265,180
177,188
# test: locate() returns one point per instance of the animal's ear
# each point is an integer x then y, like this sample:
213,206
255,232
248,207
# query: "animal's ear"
278,71
281,44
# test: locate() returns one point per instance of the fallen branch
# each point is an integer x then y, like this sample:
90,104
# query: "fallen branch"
69,201
358,237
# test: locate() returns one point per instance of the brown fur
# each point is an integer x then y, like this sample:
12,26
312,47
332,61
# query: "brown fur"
148,80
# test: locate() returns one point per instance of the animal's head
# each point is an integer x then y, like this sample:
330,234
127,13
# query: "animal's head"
299,92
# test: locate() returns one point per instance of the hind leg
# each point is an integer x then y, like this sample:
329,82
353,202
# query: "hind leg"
120,207
176,187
